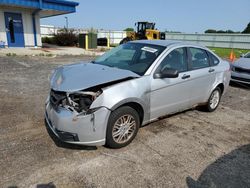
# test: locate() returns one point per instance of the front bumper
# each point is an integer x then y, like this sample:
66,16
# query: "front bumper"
240,77
83,130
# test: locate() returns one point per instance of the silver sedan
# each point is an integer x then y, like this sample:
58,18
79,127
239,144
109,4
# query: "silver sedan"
241,70
104,102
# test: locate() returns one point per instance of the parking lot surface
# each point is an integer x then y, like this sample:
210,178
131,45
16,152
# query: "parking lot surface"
189,149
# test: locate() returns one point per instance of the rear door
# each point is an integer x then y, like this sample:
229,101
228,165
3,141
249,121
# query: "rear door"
203,75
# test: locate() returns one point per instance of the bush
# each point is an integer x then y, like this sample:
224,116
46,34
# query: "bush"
49,40
66,37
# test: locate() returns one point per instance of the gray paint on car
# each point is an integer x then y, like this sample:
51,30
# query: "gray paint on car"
157,97
81,76
241,70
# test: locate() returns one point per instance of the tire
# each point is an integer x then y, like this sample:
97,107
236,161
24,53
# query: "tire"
118,135
125,40
214,100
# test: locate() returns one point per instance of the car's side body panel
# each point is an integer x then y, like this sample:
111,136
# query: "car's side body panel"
169,95
135,90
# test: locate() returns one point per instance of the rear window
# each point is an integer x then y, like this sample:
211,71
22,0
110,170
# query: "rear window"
214,60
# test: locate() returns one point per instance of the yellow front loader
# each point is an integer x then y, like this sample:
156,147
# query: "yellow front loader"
145,31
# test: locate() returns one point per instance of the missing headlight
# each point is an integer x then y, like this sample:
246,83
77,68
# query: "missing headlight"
81,101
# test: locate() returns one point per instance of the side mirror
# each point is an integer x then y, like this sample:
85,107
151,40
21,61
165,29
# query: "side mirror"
167,73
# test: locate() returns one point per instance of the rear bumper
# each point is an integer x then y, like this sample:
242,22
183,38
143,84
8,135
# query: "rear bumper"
87,130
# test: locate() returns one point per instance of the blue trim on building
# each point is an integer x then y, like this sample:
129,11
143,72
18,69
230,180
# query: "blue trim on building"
63,7
34,28
40,4
34,25
71,3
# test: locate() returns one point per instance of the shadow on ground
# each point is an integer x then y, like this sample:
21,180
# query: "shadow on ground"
49,185
61,144
240,85
232,170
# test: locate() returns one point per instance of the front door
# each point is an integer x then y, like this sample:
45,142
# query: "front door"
169,95
14,29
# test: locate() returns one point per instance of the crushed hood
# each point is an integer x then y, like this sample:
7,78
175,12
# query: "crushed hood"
76,77
243,63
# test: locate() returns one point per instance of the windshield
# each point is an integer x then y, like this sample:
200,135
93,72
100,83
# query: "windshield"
149,26
247,55
135,57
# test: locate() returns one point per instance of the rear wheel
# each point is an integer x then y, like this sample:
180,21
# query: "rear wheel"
125,40
122,127
214,100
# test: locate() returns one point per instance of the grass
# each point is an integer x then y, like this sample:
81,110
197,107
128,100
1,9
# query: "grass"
225,52
10,54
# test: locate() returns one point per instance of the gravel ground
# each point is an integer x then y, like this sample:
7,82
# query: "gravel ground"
190,149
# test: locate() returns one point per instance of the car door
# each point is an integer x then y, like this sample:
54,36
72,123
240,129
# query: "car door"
169,95
203,75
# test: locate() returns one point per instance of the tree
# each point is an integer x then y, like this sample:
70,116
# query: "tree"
221,31
247,29
210,31
129,29
230,31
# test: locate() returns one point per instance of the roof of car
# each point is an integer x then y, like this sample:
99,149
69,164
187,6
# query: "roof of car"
165,42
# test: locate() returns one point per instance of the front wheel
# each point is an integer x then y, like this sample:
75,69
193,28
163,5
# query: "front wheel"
214,100
122,127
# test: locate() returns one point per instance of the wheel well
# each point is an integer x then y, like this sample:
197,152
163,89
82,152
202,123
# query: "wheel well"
221,86
138,108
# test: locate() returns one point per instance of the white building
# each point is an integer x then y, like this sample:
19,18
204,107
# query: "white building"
20,19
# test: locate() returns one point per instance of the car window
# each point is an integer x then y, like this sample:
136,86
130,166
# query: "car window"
214,60
199,58
247,55
121,56
176,59
136,57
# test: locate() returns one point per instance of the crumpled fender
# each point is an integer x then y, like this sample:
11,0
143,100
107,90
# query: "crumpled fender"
125,92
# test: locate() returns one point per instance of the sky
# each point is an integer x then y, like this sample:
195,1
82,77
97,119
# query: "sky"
188,16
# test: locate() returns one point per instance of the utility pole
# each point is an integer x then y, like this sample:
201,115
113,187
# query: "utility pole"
67,22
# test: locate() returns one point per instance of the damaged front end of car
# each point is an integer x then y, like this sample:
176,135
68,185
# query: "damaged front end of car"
77,102
70,116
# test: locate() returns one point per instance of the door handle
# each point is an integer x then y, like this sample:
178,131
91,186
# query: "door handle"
185,76
211,70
